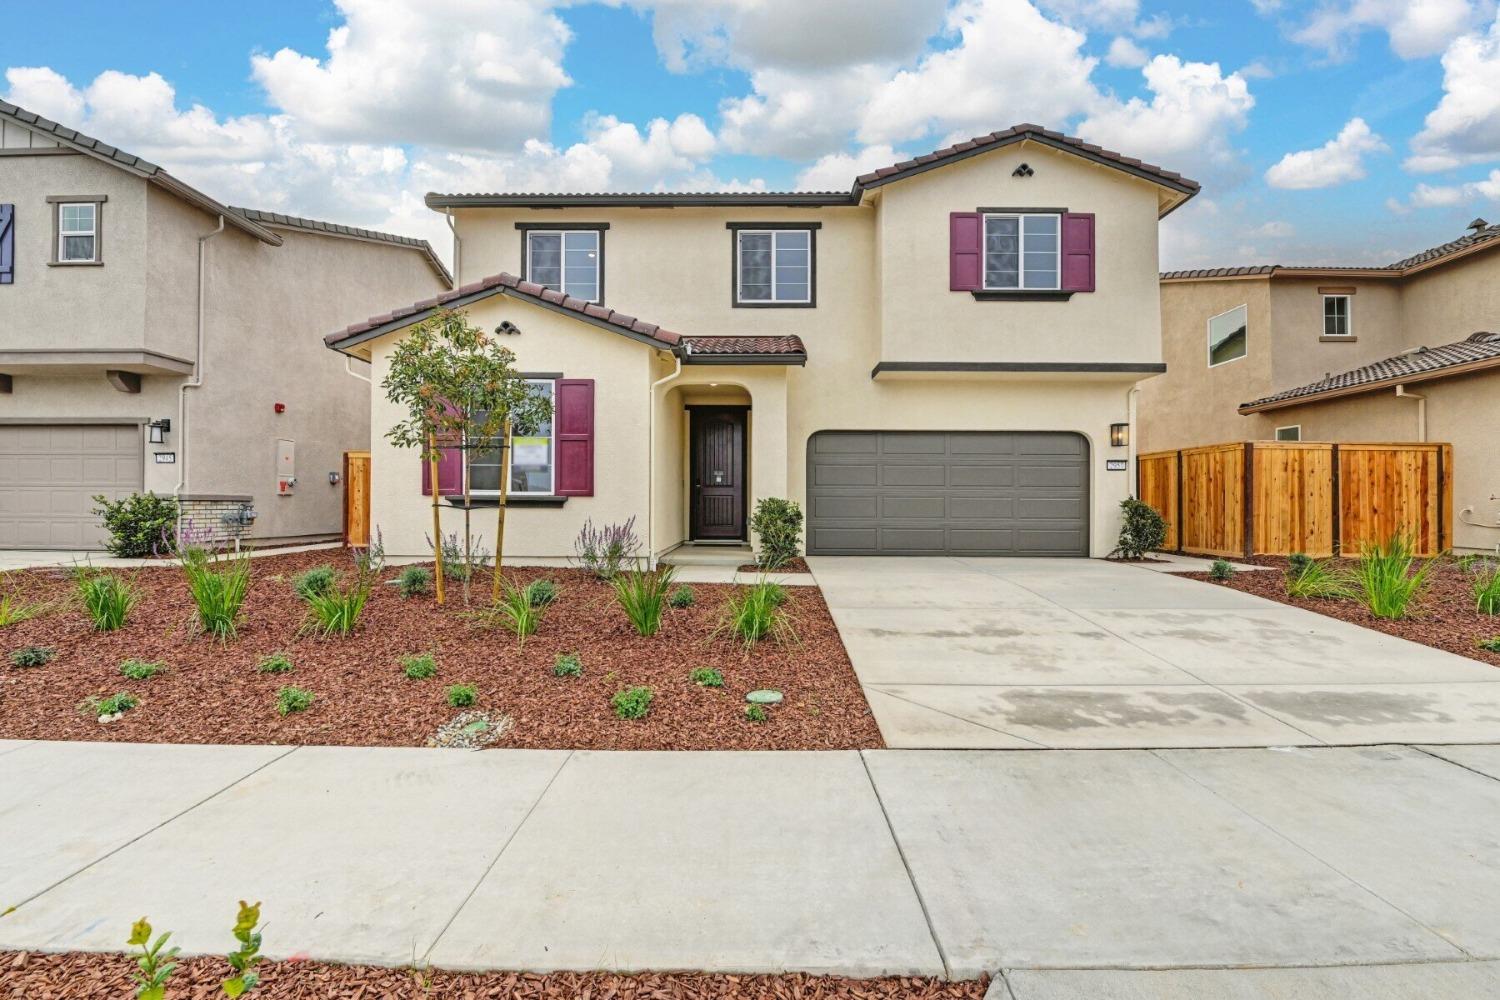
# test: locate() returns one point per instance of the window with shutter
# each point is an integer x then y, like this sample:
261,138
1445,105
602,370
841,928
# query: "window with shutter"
7,244
573,425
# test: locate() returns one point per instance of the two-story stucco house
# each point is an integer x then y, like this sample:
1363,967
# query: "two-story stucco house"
153,339
1402,352
929,362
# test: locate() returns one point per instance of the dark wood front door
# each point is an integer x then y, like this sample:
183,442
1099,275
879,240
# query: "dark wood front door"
718,471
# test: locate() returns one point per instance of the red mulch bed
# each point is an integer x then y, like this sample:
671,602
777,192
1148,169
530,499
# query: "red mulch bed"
794,565
86,977
1445,616
211,693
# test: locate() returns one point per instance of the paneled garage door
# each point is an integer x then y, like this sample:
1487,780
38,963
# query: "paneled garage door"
49,474
995,493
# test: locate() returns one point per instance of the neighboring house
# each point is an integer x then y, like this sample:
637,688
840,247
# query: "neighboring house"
154,339
929,362
1349,354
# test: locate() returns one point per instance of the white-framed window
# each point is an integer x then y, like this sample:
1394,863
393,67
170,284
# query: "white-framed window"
773,266
1290,433
1227,336
77,232
1338,318
533,470
1022,251
566,261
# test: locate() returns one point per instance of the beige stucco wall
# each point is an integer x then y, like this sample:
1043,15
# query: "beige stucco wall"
1447,303
1299,356
1463,411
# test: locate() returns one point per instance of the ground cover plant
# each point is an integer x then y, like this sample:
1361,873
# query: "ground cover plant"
632,703
32,656
141,670
113,704
418,668
216,693
707,677
462,695
108,599
567,665
294,699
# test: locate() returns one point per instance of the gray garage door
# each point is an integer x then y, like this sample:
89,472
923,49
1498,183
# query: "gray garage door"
50,472
999,493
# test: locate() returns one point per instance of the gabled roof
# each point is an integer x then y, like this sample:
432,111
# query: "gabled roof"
817,199
277,219
1480,237
1479,351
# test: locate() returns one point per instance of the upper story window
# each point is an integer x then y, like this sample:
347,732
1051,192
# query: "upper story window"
1021,251
774,265
1337,320
532,457
567,260
1227,336
76,226
1292,432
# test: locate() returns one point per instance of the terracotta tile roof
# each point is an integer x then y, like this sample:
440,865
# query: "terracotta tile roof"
763,346
1480,233
1425,362
1462,243
352,232
1221,272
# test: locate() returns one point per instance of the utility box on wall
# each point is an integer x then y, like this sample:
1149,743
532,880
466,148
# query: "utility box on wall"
286,467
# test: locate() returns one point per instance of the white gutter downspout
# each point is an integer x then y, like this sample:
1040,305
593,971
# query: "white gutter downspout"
651,458
1421,410
1130,408
196,381
458,249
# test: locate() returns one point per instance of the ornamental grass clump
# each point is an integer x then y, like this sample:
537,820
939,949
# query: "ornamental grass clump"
13,609
1310,578
1486,584
1387,579
218,585
108,600
336,610
755,612
642,595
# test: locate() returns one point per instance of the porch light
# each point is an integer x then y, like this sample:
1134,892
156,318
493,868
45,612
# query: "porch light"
156,430
1119,435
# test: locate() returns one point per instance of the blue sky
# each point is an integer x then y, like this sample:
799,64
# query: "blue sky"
1350,131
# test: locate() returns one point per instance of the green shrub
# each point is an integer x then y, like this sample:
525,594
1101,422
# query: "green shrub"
419,668
541,593
318,580
108,600
140,525
1384,580
114,704
1315,580
632,703
642,594
141,670
414,581
1142,530
756,713
1297,562
336,612
462,695
754,613
293,699
1220,569
1486,585
707,677
682,597
274,663
567,665
218,586
32,656
777,523
1490,645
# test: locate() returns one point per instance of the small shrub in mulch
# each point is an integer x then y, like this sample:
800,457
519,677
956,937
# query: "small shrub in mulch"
567,665
419,668
318,580
32,656
632,703
540,593
1220,570
707,677
141,670
1489,645
110,706
414,581
293,699
682,597
757,713
462,695
274,663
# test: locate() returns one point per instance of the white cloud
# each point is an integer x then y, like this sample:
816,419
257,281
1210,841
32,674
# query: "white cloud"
836,171
1416,28
1465,125
1339,160
1125,53
1116,15
1449,195
797,115
44,91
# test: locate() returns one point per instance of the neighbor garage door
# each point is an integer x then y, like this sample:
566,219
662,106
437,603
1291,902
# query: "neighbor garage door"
1001,493
49,474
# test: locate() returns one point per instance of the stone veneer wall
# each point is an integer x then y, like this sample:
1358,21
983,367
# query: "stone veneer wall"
205,512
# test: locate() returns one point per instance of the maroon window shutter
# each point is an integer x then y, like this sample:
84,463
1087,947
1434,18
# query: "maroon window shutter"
7,244
1078,252
965,251
573,432
450,468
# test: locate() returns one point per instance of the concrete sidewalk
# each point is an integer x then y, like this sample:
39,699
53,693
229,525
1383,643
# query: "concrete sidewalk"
951,864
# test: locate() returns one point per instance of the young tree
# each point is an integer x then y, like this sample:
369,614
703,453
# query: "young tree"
460,389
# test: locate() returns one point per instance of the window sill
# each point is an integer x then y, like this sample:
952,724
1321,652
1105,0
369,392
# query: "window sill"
524,501
75,263
1346,339
775,305
1021,296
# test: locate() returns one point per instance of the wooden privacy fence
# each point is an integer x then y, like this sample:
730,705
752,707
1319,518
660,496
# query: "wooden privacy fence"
356,498
1280,497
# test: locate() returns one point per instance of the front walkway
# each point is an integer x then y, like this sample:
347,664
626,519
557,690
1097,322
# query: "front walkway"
1086,654
941,863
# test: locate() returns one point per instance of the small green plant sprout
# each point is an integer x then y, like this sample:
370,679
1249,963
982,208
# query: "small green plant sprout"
293,699
141,670
155,962
541,593
419,668
318,580
707,677
632,703
247,956
1387,579
108,599
414,581
1316,580
756,713
642,594
274,663
1486,585
682,597
1490,645
1220,570
567,665
31,656
110,707
462,695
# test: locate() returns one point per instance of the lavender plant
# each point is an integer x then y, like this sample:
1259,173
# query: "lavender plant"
604,551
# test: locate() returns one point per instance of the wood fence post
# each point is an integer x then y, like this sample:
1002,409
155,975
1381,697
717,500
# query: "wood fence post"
1179,502
1338,504
1248,499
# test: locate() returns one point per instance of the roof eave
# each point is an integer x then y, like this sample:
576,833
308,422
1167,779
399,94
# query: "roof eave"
811,199
689,358
1466,368
198,199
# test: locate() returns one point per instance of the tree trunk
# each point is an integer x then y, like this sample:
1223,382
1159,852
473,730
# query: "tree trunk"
468,544
500,508
437,521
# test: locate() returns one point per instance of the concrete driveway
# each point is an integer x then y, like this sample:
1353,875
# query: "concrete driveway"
1086,654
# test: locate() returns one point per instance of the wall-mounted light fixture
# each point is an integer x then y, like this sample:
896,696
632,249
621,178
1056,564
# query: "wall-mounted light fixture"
333,479
157,430
1119,435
